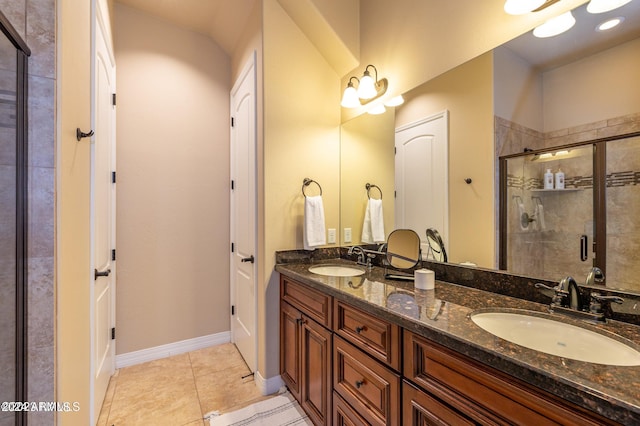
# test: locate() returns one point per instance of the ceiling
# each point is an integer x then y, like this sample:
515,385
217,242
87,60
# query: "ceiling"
222,20
581,40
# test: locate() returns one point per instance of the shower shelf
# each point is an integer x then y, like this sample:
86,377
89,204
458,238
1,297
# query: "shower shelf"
558,190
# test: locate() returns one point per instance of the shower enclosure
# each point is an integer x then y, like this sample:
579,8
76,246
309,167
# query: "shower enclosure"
13,221
593,220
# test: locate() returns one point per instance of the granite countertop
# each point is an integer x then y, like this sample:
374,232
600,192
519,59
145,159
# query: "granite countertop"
442,315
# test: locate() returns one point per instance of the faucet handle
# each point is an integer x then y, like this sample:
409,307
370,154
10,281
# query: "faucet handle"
595,306
546,287
595,276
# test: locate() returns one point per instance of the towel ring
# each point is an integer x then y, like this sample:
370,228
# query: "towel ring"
307,182
368,186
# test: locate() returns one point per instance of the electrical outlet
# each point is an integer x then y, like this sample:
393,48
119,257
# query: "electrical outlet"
347,235
331,236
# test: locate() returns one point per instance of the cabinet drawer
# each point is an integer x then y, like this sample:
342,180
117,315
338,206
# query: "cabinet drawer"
344,414
377,337
372,389
420,408
313,303
484,394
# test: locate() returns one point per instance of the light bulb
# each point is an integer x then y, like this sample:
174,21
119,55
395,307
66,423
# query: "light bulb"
610,23
350,97
555,26
520,7
367,88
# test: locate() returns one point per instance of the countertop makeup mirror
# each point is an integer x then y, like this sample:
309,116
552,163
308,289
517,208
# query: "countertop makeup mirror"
403,252
545,66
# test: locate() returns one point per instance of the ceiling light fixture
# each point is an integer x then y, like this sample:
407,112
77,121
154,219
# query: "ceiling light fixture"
601,6
610,23
555,26
520,7
368,89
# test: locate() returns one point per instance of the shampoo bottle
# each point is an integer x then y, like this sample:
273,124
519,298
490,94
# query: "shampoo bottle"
548,180
559,179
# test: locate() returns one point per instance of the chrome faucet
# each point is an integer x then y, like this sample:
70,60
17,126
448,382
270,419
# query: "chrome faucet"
595,276
567,298
360,252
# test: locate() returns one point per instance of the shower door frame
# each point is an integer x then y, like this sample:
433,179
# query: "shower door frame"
599,195
22,53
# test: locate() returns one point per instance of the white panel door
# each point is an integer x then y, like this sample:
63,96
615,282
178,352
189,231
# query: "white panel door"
103,213
422,176
243,215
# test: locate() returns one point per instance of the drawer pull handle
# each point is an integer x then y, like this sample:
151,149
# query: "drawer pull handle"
359,383
359,329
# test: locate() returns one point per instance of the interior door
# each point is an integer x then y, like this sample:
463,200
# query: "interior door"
422,176
243,215
103,211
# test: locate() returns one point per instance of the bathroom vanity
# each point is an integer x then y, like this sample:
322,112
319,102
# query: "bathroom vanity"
363,350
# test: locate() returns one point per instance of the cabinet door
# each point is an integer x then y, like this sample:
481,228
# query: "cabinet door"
290,369
344,414
316,371
420,409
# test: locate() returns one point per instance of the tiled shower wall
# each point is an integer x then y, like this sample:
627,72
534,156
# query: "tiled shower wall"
623,200
34,20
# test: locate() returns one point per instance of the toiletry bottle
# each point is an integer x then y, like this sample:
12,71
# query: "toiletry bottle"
548,180
559,179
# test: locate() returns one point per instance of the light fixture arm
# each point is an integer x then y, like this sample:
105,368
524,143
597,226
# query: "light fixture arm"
366,71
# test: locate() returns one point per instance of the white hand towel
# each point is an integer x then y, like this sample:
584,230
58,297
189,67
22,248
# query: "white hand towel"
313,223
373,224
377,221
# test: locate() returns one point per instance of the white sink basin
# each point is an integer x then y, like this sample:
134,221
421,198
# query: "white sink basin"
337,270
557,338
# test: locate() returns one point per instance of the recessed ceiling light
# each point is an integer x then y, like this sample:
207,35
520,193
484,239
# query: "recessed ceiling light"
610,23
601,6
555,26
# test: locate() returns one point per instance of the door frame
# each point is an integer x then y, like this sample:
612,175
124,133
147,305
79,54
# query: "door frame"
250,66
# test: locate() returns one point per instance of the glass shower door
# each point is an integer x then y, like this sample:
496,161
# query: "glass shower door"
549,228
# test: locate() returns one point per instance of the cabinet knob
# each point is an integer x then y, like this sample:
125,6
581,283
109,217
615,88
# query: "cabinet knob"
359,329
359,383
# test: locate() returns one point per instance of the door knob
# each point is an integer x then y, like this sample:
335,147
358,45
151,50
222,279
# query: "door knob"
247,259
101,273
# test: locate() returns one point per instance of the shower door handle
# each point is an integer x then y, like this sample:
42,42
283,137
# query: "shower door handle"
583,248
247,259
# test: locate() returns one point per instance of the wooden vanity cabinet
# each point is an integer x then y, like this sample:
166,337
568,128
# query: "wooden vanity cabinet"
306,348
477,392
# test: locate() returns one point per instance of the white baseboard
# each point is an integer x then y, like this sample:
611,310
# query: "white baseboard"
268,386
170,349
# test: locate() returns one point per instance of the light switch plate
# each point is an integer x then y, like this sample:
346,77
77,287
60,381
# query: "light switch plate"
331,237
347,235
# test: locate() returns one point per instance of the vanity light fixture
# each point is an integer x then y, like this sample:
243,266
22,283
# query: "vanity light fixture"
555,26
601,6
368,89
377,109
520,7
395,101
610,23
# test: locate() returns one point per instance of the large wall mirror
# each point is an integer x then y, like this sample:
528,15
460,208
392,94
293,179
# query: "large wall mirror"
528,93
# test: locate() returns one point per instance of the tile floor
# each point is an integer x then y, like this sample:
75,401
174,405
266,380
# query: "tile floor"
179,390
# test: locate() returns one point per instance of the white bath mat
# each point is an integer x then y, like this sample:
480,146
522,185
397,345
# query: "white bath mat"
280,410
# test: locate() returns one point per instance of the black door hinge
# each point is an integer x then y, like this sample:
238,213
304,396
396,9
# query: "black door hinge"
113,254
233,185
233,248
113,333
113,99
233,122
113,177
233,310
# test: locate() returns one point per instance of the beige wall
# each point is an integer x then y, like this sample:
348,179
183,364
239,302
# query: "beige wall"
73,262
173,183
600,86
467,93
301,139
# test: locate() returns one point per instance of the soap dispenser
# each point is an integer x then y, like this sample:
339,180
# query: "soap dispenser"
548,180
559,179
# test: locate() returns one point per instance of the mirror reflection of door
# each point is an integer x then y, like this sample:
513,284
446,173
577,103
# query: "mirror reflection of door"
422,176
